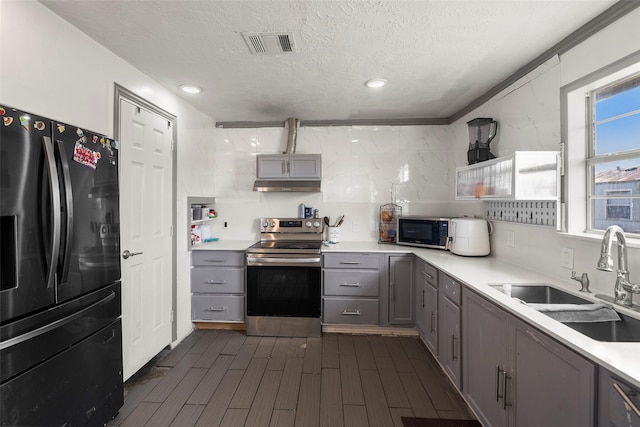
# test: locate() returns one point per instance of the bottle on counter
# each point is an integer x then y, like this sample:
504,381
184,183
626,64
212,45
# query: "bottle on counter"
301,212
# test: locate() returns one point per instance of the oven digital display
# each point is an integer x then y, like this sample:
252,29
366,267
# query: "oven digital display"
290,223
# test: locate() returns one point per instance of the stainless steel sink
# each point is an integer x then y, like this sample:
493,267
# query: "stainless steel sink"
625,330
541,294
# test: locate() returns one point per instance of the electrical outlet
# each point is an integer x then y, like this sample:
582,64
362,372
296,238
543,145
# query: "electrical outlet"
354,226
511,239
567,258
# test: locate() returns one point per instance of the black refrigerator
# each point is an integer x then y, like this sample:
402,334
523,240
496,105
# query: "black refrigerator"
60,306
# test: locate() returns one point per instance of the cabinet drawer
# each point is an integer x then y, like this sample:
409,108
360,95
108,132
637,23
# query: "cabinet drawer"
221,308
217,280
429,273
351,282
352,260
217,258
354,311
450,288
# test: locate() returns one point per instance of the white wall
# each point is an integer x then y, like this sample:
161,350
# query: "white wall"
529,116
360,166
50,68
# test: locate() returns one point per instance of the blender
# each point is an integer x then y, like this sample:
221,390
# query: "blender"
481,133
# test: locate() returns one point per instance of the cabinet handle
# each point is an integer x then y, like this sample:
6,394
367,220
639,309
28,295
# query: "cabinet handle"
225,308
213,260
351,285
215,282
504,390
433,322
393,291
626,399
422,298
453,348
428,275
350,262
351,313
498,371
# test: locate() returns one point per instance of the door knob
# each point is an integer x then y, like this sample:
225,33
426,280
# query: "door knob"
126,254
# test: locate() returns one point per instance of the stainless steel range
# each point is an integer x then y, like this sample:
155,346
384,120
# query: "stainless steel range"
284,279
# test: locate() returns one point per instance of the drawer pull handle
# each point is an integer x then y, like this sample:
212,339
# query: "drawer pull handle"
214,260
626,399
433,322
350,262
352,285
352,313
215,282
225,308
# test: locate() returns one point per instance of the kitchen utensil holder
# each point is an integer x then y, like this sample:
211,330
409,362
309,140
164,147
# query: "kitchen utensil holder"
389,214
333,234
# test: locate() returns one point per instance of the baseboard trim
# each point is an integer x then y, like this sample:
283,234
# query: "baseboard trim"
369,330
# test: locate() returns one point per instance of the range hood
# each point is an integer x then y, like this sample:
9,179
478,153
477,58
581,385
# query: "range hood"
289,172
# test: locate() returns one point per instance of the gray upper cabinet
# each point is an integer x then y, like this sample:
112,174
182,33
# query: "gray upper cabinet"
401,289
288,166
514,375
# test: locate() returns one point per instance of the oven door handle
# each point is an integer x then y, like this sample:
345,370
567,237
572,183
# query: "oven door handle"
265,261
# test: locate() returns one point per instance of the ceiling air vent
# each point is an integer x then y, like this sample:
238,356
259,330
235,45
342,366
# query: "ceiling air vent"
269,43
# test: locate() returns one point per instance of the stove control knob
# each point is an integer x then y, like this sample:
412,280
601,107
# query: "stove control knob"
308,224
273,223
316,224
265,224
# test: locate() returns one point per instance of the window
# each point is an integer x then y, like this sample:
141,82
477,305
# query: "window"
613,156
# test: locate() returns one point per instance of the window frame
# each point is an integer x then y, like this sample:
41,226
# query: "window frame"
593,159
576,118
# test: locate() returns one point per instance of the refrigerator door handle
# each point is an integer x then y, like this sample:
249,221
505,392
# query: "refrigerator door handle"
53,325
66,179
54,187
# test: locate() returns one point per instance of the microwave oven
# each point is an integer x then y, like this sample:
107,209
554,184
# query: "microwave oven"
425,232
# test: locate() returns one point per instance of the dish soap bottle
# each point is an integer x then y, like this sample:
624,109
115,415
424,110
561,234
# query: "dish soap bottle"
301,210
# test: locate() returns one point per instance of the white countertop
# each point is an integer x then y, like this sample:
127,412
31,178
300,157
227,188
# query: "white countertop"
477,272
224,245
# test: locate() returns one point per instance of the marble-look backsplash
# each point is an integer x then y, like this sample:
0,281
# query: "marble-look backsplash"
363,167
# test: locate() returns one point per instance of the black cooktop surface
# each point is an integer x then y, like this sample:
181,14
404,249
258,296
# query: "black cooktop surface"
286,245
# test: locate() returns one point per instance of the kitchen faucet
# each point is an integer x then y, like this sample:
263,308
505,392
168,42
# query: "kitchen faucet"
624,289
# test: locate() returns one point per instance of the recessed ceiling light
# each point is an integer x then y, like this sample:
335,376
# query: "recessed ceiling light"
191,88
375,83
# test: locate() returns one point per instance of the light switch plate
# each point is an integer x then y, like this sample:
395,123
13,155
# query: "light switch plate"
511,239
567,258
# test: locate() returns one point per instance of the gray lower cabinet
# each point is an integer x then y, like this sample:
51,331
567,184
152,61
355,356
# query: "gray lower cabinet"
351,288
426,303
618,402
449,337
217,286
401,285
514,375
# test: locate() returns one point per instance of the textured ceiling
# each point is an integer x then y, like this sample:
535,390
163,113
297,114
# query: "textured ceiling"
438,56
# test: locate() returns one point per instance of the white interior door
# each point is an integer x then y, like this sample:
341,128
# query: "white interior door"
146,169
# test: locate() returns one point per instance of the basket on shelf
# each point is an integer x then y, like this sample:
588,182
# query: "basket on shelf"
389,214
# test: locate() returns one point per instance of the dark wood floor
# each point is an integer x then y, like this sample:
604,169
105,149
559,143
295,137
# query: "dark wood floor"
224,378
